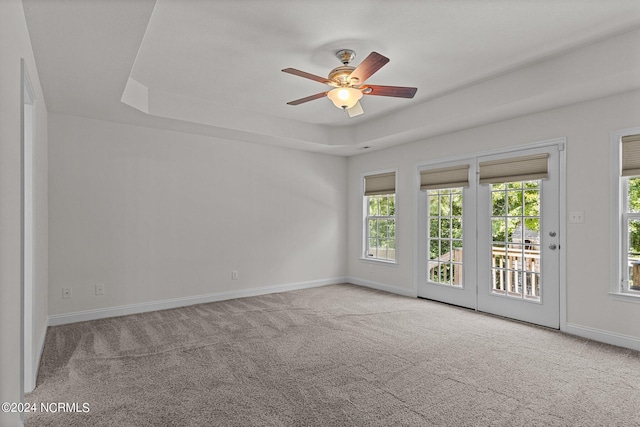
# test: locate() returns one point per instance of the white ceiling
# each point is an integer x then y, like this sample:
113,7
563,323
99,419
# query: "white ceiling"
214,67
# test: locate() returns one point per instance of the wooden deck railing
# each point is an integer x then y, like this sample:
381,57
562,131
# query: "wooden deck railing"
452,277
514,271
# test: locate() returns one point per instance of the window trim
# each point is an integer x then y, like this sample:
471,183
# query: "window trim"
364,212
619,216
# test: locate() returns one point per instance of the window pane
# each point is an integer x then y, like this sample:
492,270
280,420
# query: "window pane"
634,194
433,203
445,249
445,271
384,206
499,227
532,202
499,203
444,205
373,205
498,256
456,205
433,228
445,228
433,249
391,229
499,186
515,230
515,203
382,228
392,255
456,228
532,230
373,229
514,185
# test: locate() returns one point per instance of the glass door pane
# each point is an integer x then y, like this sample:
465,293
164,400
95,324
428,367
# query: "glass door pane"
445,237
515,226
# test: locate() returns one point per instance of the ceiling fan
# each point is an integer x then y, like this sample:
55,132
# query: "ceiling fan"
349,82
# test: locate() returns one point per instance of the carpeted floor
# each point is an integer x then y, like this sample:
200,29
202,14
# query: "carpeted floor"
337,355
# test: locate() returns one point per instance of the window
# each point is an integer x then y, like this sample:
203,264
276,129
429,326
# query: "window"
631,232
381,227
629,216
380,217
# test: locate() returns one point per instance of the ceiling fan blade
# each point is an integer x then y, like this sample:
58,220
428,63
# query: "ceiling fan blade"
395,91
356,110
308,98
307,75
370,65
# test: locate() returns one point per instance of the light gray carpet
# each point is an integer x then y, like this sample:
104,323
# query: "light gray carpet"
332,356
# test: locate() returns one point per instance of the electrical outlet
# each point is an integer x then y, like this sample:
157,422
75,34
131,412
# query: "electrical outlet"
234,275
100,289
66,293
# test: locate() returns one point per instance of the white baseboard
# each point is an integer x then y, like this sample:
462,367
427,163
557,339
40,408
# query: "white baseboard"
383,287
124,310
599,335
604,336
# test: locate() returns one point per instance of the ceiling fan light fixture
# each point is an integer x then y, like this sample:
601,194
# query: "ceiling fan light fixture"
344,97
348,83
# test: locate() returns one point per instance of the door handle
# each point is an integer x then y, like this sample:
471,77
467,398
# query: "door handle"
553,246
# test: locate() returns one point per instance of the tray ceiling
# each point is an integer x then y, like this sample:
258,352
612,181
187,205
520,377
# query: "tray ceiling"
214,67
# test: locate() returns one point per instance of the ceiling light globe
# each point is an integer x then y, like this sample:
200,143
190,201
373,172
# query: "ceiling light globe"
344,97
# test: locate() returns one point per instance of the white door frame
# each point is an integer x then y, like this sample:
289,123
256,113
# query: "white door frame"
27,256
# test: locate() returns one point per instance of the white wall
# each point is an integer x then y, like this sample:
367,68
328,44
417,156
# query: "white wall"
157,215
14,45
587,126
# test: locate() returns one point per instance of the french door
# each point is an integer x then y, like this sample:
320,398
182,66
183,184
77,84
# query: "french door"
447,220
518,239
499,253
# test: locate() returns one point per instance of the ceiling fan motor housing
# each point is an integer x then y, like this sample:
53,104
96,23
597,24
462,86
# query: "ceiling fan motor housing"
340,75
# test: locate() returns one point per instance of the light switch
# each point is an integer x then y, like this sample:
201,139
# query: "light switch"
576,217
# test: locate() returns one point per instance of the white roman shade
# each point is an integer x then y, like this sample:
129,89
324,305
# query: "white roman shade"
384,183
449,177
523,168
631,155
